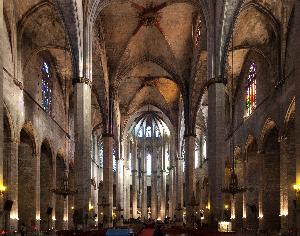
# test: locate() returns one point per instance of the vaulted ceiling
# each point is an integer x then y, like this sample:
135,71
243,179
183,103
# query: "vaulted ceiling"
150,51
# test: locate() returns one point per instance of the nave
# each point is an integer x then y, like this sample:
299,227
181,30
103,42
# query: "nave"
140,114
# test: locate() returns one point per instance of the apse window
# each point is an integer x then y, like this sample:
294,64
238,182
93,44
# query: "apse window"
46,87
100,146
114,161
129,163
204,154
148,132
196,155
197,32
140,133
157,134
251,90
148,164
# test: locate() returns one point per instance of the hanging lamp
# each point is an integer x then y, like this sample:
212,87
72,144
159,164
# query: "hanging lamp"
233,187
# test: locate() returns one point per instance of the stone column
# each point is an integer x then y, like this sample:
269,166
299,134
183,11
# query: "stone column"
189,171
108,179
172,195
37,157
284,185
216,150
163,183
144,183
260,156
179,188
126,181
82,157
134,179
158,171
12,218
1,105
119,186
154,183
127,193
66,213
296,58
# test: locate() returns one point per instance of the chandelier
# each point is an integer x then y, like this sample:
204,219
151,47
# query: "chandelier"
64,190
233,187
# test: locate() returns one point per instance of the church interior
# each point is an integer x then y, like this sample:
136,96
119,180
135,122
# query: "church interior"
176,116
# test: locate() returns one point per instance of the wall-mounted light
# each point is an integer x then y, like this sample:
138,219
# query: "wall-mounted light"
297,188
91,207
2,190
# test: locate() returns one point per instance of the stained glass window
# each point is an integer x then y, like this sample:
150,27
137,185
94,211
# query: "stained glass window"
196,155
114,161
46,87
204,155
183,157
148,132
157,133
148,164
167,162
100,146
129,163
197,31
140,133
251,90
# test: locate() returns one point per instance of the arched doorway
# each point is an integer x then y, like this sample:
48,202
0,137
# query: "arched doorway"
59,206
271,182
252,178
46,184
27,181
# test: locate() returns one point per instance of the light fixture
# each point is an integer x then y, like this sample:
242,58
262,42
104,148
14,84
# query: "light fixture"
233,186
64,190
297,188
2,190
297,191
91,207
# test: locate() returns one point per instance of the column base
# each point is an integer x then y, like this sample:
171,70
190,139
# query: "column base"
13,225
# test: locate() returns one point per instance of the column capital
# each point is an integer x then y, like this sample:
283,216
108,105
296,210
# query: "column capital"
80,80
216,80
13,140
